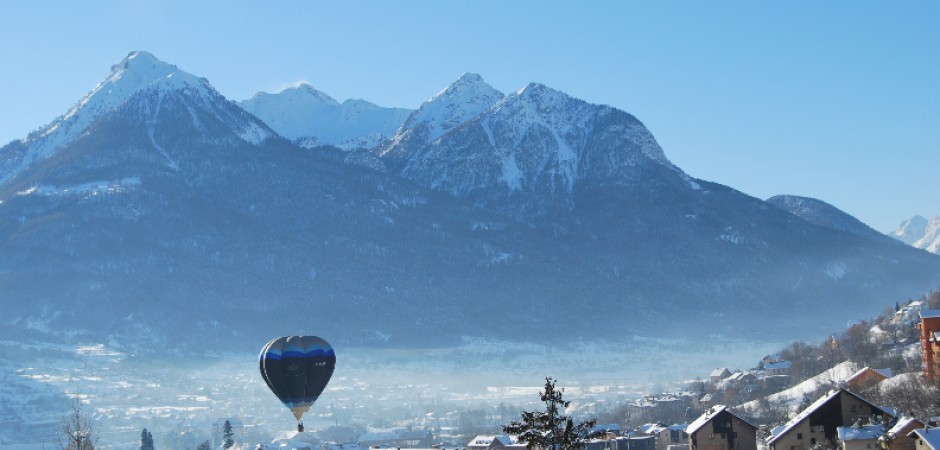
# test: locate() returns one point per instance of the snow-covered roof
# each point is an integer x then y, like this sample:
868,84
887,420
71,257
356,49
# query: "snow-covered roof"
930,314
883,372
887,372
710,414
931,439
487,440
610,427
903,423
652,428
859,433
779,365
810,410
721,371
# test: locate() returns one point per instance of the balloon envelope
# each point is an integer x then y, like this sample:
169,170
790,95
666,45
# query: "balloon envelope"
297,369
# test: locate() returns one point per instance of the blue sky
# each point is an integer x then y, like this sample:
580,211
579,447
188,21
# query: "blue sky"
834,100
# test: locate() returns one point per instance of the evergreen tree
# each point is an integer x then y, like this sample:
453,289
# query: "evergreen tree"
203,446
146,440
550,429
227,441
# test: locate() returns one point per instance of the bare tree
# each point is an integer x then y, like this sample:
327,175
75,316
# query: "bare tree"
78,430
909,394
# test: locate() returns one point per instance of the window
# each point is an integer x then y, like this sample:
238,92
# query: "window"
799,435
812,441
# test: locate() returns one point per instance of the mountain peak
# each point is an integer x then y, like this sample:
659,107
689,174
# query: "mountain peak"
469,79
142,58
535,88
911,230
136,73
140,70
306,92
459,102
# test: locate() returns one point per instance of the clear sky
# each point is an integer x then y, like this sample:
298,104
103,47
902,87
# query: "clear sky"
837,100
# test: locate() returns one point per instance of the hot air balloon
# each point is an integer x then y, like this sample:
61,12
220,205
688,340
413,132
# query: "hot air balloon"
297,369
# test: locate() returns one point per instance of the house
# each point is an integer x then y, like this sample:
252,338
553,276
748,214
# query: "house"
866,378
673,436
662,407
777,368
930,343
772,358
721,429
622,443
925,440
666,436
910,313
706,401
491,443
397,438
719,374
859,437
818,423
898,436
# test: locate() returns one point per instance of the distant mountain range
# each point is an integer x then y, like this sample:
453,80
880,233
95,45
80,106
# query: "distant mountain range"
311,118
825,215
920,233
159,216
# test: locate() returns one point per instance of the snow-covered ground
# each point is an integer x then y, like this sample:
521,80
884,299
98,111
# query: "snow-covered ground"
793,396
174,398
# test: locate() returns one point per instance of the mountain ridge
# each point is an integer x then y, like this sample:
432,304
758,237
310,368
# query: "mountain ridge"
312,118
919,232
165,226
820,213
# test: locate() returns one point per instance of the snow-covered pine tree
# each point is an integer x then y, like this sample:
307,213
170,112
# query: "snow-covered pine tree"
550,429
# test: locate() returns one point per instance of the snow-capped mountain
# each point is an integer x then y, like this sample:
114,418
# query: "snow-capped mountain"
461,101
143,79
528,153
820,213
177,221
910,230
920,233
310,118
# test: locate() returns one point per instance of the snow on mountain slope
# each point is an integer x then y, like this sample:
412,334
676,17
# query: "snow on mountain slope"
139,72
310,117
532,148
793,396
931,239
920,233
911,230
459,102
453,106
